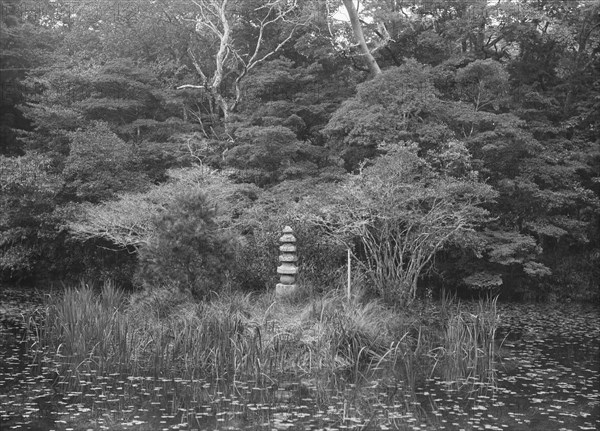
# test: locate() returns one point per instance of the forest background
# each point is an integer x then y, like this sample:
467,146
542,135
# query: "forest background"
451,145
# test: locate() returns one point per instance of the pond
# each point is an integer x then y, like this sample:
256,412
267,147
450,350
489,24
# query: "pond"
545,378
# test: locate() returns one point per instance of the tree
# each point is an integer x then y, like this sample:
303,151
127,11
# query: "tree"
400,104
188,251
100,164
129,100
217,23
127,221
538,175
181,230
360,38
401,212
265,90
27,223
24,44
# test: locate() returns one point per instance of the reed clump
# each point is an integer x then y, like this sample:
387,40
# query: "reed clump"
166,333
466,353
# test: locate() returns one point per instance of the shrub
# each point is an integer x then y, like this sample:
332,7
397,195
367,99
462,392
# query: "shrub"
188,251
400,212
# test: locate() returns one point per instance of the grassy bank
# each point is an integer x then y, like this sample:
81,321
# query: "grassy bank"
238,337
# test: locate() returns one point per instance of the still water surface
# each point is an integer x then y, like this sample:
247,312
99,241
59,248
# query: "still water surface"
547,378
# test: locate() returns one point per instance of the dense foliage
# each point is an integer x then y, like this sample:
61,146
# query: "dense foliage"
163,142
188,251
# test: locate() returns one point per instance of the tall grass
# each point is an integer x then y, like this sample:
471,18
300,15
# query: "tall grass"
467,353
235,337
159,334
83,326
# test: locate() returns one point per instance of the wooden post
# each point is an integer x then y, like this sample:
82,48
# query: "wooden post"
349,276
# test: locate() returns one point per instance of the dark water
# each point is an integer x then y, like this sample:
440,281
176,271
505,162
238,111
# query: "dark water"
546,378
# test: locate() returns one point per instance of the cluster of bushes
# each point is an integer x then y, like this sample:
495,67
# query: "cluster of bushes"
203,233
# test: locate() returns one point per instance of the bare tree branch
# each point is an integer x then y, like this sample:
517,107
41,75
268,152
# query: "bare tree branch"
218,18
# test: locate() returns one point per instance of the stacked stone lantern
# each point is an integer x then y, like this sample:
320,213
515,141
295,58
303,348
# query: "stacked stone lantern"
287,269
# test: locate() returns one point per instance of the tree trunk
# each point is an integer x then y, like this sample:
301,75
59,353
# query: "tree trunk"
360,38
220,58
